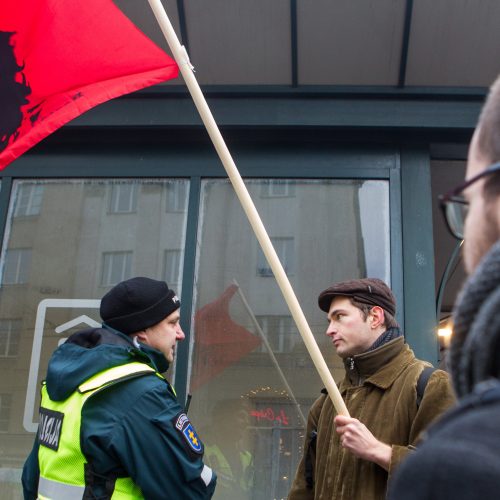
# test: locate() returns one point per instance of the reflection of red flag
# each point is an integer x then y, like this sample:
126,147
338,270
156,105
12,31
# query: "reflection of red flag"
59,58
219,341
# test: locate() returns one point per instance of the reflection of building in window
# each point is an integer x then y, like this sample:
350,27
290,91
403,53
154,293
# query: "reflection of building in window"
280,332
29,200
277,188
17,266
123,198
172,268
5,407
177,196
116,267
286,253
278,437
10,330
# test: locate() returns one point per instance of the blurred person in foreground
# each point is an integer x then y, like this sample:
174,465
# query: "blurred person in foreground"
391,397
460,457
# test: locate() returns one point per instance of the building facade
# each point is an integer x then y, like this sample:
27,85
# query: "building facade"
345,179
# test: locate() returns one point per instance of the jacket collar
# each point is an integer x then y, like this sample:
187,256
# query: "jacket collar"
379,367
155,357
91,351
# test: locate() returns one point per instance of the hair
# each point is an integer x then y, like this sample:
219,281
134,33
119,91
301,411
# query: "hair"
389,319
488,137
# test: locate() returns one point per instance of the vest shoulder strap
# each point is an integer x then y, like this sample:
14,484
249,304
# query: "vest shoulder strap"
115,374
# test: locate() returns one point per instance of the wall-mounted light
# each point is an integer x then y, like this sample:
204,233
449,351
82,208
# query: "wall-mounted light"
445,331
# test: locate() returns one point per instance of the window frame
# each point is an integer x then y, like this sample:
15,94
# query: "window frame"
173,283
124,273
21,276
285,249
9,398
32,197
10,331
116,195
175,197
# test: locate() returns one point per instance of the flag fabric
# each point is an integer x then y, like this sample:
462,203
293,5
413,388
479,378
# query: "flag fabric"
60,58
219,341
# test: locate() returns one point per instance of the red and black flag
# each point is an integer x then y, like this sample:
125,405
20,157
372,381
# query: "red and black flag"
59,58
219,341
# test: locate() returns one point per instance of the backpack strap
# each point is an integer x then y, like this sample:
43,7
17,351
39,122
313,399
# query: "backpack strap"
422,382
309,465
310,455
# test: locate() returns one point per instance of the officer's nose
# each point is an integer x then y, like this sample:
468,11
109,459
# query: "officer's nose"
179,333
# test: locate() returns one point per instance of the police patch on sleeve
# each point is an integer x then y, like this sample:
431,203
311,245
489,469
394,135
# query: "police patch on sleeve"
192,438
189,435
49,428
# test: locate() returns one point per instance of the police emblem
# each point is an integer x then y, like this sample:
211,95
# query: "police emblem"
192,438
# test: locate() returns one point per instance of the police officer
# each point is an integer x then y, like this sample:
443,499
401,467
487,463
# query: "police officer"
110,424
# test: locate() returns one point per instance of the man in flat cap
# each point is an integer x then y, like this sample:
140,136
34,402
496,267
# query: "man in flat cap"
391,397
110,424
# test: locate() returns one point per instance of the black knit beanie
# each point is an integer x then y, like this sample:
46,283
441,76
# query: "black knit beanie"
138,303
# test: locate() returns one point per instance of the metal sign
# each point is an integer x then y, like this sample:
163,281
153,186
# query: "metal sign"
43,307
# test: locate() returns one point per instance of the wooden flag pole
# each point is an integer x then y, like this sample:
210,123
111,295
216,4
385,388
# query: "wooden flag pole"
182,59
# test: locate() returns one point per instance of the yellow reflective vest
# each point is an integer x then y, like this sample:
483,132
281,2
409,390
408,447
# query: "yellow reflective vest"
217,460
62,463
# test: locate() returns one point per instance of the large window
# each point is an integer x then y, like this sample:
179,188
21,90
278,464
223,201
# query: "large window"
251,377
250,372
66,258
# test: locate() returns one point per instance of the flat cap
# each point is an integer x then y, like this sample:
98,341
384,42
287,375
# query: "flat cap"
371,291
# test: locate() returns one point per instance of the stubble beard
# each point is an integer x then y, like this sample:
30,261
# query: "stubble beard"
475,251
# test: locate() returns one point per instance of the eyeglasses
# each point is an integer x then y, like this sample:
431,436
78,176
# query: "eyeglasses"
455,206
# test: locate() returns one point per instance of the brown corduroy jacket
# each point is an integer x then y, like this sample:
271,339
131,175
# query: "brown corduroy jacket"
380,391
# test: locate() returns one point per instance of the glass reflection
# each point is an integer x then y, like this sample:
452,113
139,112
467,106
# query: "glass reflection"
66,243
252,378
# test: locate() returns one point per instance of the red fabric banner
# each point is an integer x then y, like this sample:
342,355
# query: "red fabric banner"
59,58
219,341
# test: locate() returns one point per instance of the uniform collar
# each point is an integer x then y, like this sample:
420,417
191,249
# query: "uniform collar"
155,357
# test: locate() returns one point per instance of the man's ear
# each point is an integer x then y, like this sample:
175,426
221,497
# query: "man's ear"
378,316
142,336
